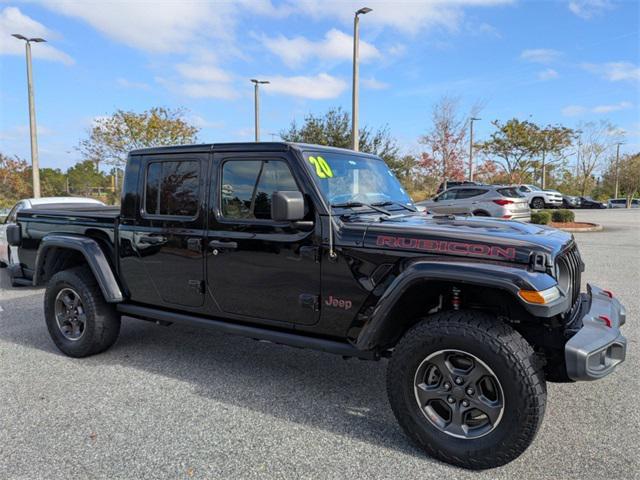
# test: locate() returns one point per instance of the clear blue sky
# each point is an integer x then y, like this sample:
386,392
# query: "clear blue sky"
553,61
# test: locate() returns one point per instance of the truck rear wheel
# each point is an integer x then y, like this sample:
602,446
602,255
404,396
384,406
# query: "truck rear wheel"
79,320
467,389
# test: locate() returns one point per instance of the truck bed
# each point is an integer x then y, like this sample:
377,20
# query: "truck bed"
72,211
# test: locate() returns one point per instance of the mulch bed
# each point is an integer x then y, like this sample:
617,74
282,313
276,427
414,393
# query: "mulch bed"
576,225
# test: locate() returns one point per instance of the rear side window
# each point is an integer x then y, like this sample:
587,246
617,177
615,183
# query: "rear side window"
247,186
469,192
172,188
510,192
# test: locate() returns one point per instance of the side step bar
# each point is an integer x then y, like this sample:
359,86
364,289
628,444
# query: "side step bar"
257,333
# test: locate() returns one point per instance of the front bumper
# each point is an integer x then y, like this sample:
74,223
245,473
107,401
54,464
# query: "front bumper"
598,346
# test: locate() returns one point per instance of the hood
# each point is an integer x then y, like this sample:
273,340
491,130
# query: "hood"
475,237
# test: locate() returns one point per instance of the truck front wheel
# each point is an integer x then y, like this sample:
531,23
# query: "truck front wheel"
79,320
467,389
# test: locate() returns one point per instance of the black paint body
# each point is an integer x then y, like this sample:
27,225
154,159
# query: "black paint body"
278,275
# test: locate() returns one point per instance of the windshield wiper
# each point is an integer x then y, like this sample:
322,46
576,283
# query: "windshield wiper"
360,204
390,202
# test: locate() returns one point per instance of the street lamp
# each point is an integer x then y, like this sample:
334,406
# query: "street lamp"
35,164
473,119
579,138
354,99
256,91
617,164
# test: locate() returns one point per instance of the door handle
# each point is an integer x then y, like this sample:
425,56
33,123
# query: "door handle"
223,244
153,240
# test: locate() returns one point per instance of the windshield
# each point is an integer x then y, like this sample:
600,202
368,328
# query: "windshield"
534,188
345,179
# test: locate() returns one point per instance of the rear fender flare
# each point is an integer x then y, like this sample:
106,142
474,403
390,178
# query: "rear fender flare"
92,253
508,279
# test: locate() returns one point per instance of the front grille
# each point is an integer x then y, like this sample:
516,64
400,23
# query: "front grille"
571,265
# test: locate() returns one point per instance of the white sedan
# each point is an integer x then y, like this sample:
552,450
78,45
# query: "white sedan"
9,255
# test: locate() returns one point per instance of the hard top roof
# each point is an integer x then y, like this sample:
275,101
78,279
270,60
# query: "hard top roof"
243,147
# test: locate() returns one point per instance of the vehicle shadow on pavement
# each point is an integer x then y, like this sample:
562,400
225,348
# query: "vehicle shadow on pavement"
344,397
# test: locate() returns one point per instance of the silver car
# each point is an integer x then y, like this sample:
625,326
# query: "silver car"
622,203
498,201
9,255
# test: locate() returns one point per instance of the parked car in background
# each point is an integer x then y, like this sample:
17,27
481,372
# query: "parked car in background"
622,203
9,255
498,201
588,202
539,198
455,183
570,201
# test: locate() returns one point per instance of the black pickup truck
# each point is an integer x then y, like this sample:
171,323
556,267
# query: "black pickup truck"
321,248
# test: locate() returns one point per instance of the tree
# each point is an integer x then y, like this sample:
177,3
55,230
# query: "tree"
487,172
84,179
334,129
595,140
111,138
445,146
15,180
629,176
53,182
514,145
553,141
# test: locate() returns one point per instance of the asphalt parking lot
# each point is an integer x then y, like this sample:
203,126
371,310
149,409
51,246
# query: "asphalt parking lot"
183,403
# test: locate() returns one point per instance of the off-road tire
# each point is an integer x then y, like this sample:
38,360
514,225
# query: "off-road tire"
512,360
537,203
102,324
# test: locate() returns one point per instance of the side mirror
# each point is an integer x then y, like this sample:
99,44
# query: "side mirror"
287,206
14,235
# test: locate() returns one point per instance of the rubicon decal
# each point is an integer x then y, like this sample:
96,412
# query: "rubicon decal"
444,246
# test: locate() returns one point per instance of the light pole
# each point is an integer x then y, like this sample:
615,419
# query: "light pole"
355,138
473,119
579,133
617,164
35,164
256,91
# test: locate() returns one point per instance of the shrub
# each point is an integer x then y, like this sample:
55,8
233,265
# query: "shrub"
541,218
563,216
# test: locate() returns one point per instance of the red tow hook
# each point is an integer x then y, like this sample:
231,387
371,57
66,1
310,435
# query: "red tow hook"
606,320
609,293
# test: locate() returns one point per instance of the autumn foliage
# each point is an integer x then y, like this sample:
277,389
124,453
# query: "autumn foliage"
15,180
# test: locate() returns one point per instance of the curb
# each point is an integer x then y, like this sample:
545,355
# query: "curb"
594,228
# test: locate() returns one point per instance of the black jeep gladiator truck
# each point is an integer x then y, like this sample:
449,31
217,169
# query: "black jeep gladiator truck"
321,248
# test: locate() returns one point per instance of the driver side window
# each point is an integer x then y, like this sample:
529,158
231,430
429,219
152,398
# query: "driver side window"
247,186
13,214
448,195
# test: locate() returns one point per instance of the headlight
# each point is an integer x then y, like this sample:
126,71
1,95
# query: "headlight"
540,297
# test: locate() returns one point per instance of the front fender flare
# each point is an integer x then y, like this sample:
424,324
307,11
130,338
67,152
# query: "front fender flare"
92,253
496,276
